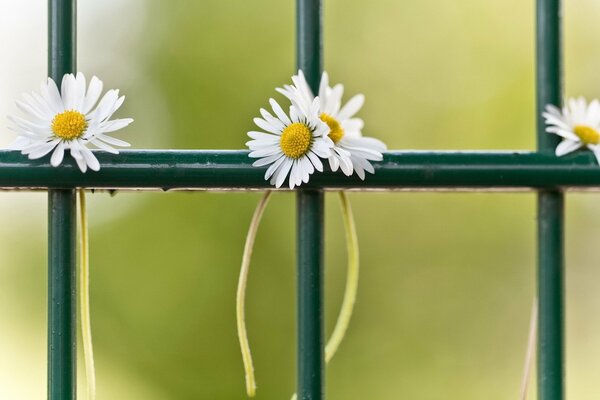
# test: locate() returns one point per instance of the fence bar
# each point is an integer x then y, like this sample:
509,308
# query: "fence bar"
550,211
62,371
232,169
311,376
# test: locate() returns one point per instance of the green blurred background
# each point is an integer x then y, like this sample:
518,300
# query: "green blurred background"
447,279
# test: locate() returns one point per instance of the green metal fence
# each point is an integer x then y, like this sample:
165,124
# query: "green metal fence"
540,171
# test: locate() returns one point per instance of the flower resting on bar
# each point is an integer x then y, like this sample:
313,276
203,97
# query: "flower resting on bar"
578,123
292,145
58,121
351,151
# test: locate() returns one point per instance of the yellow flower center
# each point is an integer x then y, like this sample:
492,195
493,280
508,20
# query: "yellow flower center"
336,132
69,125
296,140
587,135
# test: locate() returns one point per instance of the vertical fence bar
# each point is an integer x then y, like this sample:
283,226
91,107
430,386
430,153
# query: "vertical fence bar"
550,211
62,228
310,225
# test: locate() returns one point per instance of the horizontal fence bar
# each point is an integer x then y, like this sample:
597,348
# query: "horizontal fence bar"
232,169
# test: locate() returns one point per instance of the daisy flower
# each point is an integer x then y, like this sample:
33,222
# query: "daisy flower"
578,124
352,151
291,144
58,121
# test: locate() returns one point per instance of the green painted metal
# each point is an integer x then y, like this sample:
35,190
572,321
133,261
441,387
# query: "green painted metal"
61,295
62,370
550,211
551,302
212,169
310,229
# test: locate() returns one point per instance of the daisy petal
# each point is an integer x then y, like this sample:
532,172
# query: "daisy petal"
567,146
58,155
351,107
115,125
93,94
282,172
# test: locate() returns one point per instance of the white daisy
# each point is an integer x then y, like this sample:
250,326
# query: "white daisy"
64,120
351,151
578,124
291,145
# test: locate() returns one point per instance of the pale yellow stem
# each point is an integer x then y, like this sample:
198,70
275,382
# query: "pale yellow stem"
343,320
84,298
241,295
531,343
341,326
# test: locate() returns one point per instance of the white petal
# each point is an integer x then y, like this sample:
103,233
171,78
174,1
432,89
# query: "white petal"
76,154
50,92
554,120
353,124
263,136
316,162
323,86
567,134
334,100
274,167
364,152
264,152
58,155
282,172
31,112
115,125
37,102
294,115
351,107
19,143
358,167
261,123
267,160
334,162
92,96
103,146
106,105
567,146
112,140
89,158
346,165
42,149
279,112
79,91
271,120
294,173
68,91
28,125
307,167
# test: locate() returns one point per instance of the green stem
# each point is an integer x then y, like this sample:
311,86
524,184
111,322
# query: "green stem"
84,298
343,320
241,295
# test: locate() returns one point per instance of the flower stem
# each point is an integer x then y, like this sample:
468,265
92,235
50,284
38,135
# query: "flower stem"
241,295
343,320
531,342
339,331
84,298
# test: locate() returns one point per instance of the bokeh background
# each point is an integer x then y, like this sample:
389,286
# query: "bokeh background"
447,280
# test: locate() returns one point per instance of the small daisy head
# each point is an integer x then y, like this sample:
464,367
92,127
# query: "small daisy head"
578,123
56,121
291,145
352,152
